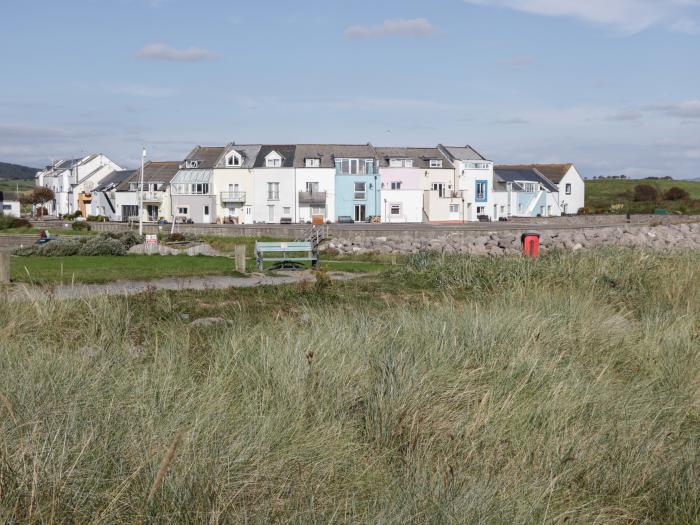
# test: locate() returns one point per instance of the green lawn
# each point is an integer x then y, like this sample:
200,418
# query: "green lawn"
78,269
14,184
602,194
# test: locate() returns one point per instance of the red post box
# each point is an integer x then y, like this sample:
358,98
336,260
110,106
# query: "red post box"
531,244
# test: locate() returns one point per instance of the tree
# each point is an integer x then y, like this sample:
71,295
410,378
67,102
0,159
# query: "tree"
676,194
38,196
645,193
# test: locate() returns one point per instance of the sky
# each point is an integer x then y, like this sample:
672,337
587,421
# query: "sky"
611,85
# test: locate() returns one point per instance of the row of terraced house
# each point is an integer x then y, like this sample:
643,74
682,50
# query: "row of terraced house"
302,183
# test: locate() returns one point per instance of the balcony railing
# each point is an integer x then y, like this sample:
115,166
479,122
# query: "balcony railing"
312,197
152,196
232,196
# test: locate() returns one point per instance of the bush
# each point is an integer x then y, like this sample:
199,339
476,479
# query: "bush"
130,239
62,248
102,246
676,194
80,226
175,237
645,193
96,218
7,222
72,216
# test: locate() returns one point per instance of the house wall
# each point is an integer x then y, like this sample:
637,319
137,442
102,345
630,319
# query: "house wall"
10,208
410,178
466,184
437,209
345,194
223,177
285,178
411,202
326,182
571,204
195,205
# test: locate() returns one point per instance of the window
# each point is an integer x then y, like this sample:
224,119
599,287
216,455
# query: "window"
192,164
273,191
440,188
476,165
271,213
133,186
200,189
480,210
481,191
129,211
435,163
312,163
312,187
286,211
530,187
568,189
273,160
454,208
249,210
401,163
184,210
6,207
318,210
395,209
396,185
503,209
360,191
206,210
233,160
354,166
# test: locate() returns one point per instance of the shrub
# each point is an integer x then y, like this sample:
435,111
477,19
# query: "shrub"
96,218
584,211
81,226
7,222
26,251
645,193
62,248
175,237
130,239
676,194
102,246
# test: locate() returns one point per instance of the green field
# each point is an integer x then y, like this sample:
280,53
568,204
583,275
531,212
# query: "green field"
602,194
455,390
13,184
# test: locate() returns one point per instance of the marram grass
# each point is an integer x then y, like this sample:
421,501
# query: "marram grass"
455,390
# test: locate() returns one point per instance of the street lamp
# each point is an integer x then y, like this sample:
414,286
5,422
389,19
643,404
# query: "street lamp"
143,159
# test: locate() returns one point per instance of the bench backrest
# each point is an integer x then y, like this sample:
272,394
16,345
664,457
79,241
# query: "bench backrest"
295,246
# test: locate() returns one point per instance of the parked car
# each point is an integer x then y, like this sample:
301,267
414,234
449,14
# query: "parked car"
345,219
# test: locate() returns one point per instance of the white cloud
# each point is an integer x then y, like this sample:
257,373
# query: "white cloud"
165,52
23,131
628,16
684,110
417,27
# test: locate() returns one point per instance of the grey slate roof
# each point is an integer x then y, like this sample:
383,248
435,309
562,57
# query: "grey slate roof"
7,196
208,156
554,172
114,179
421,156
462,153
329,152
287,151
504,174
248,152
163,171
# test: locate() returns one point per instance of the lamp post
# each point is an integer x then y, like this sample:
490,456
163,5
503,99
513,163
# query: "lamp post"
143,159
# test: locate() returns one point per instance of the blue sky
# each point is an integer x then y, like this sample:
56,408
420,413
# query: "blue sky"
612,85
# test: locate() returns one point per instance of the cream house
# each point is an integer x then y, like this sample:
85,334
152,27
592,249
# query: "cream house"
233,183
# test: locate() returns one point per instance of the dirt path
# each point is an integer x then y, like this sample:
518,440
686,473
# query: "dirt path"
20,292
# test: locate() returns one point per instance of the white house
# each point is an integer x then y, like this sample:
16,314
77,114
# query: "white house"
73,181
572,188
192,188
9,203
105,200
474,182
274,186
315,182
521,191
233,183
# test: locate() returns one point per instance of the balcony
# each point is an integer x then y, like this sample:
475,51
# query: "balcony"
232,196
152,196
312,197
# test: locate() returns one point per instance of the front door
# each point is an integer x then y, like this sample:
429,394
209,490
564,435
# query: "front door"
152,212
206,217
440,188
495,212
360,212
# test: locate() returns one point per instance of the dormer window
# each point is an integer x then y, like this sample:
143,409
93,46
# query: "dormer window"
192,164
273,160
435,163
233,160
400,163
312,163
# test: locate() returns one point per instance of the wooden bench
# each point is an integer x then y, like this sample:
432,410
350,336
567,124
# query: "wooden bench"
288,255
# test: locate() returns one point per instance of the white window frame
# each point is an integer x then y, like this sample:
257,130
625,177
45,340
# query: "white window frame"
286,211
567,188
234,160
360,195
454,208
395,184
183,210
481,210
395,206
312,163
273,191
435,163
273,160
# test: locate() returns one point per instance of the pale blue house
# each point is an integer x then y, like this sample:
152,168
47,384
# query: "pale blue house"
357,182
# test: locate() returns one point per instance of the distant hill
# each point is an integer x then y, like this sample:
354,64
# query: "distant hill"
15,171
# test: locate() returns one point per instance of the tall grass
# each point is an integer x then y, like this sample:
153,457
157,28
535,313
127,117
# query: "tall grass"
490,390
